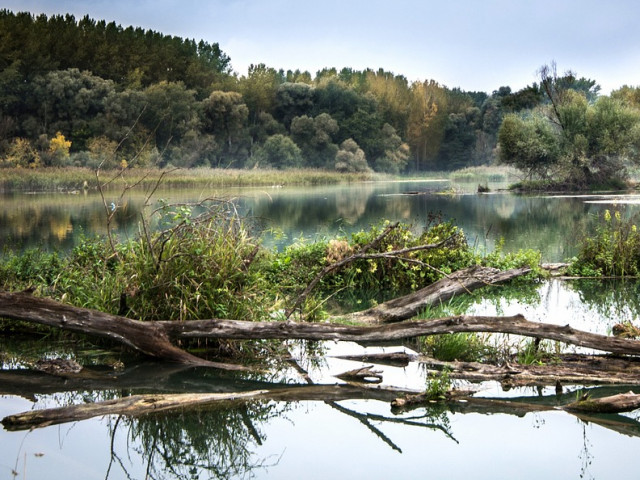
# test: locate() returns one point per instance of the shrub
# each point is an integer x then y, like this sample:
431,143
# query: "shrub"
614,249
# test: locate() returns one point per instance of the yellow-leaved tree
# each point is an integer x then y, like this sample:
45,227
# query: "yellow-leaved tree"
59,149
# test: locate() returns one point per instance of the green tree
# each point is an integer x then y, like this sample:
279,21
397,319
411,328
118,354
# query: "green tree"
396,152
351,158
315,136
279,151
226,118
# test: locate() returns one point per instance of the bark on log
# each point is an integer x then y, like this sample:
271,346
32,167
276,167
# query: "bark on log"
516,325
623,402
137,405
152,338
146,337
462,281
571,370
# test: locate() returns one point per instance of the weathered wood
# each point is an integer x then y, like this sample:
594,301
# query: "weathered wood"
152,338
570,370
623,402
362,374
460,282
146,337
395,359
516,325
137,405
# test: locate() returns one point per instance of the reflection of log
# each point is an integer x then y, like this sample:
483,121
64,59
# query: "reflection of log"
623,402
460,282
138,405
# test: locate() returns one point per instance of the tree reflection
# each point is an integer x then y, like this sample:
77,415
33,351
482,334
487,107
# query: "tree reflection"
216,442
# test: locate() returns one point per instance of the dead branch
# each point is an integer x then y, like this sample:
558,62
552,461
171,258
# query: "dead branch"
462,281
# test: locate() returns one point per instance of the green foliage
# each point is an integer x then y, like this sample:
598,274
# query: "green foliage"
576,141
279,151
463,347
614,249
534,352
438,385
351,158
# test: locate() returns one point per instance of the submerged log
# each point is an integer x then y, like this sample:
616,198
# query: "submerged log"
137,405
623,402
460,282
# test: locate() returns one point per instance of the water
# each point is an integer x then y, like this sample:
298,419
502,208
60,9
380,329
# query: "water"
552,224
350,438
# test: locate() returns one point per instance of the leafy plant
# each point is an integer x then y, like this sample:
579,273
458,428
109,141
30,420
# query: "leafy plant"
614,249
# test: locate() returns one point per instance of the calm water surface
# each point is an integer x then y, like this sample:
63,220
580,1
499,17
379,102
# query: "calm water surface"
552,224
346,439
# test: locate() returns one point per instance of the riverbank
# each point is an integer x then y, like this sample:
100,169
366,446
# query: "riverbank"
76,179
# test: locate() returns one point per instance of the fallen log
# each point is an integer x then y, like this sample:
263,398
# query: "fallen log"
146,337
623,402
570,370
460,282
152,338
137,405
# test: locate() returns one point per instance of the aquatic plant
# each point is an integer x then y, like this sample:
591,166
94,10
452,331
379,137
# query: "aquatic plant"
613,250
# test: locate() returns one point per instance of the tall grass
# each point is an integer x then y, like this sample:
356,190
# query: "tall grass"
70,178
485,173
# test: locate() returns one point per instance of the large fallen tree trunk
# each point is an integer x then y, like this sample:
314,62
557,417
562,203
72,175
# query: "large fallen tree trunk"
138,405
460,282
623,402
152,338
146,337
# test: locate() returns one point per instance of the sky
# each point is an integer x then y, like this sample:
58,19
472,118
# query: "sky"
477,45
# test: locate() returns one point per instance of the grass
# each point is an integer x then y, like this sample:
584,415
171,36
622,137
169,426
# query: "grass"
485,173
73,179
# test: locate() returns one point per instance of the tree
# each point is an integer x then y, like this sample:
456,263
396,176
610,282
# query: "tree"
351,158
396,152
315,136
528,144
259,88
225,116
573,141
426,120
278,151
293,100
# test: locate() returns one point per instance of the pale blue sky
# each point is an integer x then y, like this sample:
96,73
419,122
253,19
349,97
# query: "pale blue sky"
472,44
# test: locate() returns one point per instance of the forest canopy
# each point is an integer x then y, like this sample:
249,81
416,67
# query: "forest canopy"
88,93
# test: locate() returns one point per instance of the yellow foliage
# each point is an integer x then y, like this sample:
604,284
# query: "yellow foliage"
22,154
59,145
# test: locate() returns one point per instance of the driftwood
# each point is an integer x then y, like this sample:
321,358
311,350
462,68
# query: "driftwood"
146,337
570,369
623,402
362,375
137,405
460,282
153,338
461,401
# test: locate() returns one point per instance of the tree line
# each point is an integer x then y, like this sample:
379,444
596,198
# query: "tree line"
92,93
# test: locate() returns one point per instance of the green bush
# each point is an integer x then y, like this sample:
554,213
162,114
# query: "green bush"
614,249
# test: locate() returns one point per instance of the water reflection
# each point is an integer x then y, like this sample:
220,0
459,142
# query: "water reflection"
552,224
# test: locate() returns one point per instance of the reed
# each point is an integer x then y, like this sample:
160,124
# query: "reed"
75,179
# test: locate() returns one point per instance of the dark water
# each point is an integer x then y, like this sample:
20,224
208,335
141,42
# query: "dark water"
352,438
